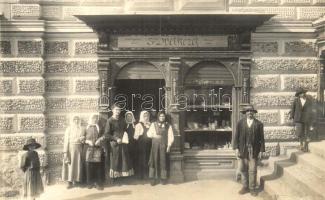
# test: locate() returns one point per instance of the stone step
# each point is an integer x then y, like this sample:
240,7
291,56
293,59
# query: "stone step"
310,161
205,174
317,148
277,189
304,180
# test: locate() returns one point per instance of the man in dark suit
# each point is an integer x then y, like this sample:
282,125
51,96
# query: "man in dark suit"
248,143
302,113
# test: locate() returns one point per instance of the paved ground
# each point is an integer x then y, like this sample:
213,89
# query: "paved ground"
198,190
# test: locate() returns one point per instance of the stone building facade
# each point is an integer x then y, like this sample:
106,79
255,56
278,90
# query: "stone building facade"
49,68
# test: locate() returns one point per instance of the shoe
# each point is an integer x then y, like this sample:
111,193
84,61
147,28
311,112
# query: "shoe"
254,193
163,181
153,182
69,185
90,186
244,190
99,187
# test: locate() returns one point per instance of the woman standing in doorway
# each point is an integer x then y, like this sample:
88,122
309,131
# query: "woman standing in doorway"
115,131
144,144
162,136
130,120
72,148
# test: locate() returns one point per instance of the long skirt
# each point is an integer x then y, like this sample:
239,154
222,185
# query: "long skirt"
74,170
95,173
158,159
33,185
143,150
120,163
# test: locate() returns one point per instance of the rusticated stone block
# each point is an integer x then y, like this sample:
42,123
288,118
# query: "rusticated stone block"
293,82
57,47
31,123
142,5
268,117
55,139
264,2
202,5
317,2
267,100
279,133
56,122
285,117
25,11
6,123
55,174
55,158
295,2
17,141
21,67
272,148
71,67
72,104
29,48
5,48
6,86
265,82
265,48
287,13
310,13
299,48
22,104
51,12
57,85
238,2
86,86
30,86
282,65
85,48
11,178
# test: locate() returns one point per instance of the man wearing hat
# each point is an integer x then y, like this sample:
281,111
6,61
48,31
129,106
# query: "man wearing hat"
303,117
248,143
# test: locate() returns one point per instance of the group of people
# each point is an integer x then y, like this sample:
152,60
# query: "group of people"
121,148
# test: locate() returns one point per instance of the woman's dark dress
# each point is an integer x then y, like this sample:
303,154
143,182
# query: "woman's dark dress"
143,150
132,146
94,168
120,164
30,164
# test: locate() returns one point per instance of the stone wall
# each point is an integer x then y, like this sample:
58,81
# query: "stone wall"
48,68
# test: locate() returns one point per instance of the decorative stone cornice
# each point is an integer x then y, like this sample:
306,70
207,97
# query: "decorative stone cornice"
320,28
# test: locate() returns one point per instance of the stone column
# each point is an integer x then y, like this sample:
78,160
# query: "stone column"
176,158
104,85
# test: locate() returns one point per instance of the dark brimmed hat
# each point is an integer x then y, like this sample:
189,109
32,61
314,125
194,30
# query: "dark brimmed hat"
248,108
31,142
300,91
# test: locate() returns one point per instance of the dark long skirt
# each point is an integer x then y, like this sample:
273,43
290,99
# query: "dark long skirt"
157,161
33,185
120,163
95,173
143,150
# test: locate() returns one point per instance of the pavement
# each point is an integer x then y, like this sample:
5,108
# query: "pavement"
224,189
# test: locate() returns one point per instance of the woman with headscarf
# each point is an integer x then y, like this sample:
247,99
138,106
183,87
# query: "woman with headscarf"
94,154
74,138
162,136
115,132
130,120
143,145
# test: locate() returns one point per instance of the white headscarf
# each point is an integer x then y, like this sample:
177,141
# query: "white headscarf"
90,121
133,119
142,113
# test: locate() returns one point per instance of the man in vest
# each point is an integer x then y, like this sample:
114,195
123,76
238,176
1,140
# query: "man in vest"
249,143
303,117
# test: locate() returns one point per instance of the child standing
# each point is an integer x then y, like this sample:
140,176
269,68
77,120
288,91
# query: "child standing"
30,165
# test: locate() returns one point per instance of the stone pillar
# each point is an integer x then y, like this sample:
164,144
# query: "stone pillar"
104,85
176,158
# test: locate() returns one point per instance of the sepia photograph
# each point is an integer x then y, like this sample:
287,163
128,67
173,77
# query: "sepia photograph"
162,99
